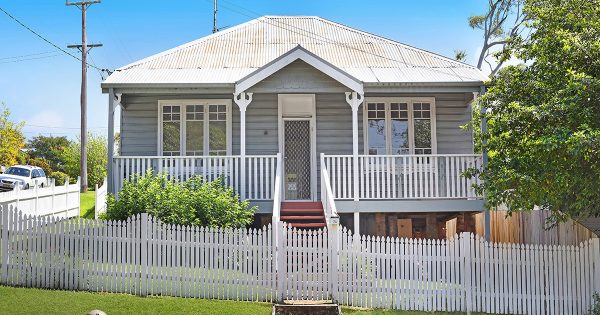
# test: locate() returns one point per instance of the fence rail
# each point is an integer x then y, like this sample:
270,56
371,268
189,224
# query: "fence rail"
403,176
253,178
62,201
144,256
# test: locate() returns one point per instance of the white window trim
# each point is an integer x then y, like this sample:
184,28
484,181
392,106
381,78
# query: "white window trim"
183,104
411,138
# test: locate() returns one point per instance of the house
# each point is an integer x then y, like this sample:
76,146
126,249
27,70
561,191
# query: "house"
298,113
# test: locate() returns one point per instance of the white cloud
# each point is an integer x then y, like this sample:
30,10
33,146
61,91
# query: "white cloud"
48,122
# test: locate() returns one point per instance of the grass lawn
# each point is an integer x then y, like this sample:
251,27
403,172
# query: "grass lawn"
88,204
37,301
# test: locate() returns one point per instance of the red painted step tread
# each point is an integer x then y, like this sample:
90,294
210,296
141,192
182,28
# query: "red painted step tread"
301,205
308,225
303,217
302,210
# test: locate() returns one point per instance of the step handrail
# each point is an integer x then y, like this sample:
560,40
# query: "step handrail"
327,195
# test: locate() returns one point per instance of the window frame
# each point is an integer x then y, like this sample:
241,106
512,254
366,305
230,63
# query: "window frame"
182,127
411,137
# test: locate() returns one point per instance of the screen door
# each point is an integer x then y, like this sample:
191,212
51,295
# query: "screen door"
297,157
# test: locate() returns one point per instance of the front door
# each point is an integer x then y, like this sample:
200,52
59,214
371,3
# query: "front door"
297,159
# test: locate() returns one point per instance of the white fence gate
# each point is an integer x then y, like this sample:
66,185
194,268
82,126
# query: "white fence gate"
145,256
62,201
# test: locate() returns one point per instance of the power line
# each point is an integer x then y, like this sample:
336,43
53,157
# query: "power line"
28,55
49,42
58,127
28,59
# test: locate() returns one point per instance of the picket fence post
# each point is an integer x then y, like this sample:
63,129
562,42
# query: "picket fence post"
465,253
334,240
143,252
4,224
281,269
596,246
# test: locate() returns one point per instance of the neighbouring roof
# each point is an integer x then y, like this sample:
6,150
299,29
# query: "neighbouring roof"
230,55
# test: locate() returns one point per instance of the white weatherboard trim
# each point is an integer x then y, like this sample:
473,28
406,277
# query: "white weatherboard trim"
183,103
409,101
291,56
310,116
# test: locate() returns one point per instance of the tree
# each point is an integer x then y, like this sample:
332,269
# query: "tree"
460,55
543,134
505,19
11,138
97,159
48,148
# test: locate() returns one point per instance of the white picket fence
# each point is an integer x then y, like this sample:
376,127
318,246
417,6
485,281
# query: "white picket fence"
100,205
146,257
62,201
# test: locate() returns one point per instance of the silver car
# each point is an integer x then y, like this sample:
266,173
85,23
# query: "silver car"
23,176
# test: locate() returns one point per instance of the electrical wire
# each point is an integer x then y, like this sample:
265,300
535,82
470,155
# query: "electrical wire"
28,55
57,127
28,59
49,42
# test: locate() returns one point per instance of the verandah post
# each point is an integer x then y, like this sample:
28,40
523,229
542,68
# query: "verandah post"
354,99
242,100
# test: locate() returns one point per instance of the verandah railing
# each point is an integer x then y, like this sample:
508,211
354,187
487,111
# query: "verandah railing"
403,176
253,178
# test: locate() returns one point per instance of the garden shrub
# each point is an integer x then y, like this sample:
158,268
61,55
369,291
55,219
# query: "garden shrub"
59,178
193,202
596,305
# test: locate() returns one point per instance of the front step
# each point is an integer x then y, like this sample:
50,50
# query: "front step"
303,309
306,215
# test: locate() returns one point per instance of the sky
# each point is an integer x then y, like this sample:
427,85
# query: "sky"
41,85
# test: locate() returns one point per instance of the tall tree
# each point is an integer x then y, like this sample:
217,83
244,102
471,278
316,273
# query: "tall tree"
48,148
504,19
543,134
11,138
97,159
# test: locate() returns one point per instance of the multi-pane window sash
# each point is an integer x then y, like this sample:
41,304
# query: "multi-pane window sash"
195,128
399,126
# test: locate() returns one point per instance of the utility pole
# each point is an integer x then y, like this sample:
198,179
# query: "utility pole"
215,18
84,48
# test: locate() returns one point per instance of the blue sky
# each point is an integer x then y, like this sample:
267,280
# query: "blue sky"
44,92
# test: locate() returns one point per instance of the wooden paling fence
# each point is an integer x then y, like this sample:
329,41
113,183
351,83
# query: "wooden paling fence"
52,200
144,256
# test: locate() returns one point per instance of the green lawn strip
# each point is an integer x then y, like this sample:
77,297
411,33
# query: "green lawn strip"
88,204
37,301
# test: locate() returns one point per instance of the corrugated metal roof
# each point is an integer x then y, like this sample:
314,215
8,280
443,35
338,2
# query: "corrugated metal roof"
227,56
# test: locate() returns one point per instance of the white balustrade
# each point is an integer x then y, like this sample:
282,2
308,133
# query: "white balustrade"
404,176
260,171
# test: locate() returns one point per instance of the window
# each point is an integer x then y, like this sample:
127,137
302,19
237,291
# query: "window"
199,127
399,126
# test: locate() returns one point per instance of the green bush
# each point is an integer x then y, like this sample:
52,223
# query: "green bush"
60,178
596,306
193,202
